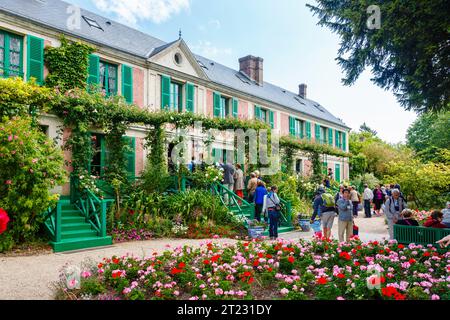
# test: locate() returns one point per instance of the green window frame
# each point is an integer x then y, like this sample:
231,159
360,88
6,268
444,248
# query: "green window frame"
344,141
11,55
235,103
330,136
308,130
127,83
317,133
176,97
265,115
189,97
108,78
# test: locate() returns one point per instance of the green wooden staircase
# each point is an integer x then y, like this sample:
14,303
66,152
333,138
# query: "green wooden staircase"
246,210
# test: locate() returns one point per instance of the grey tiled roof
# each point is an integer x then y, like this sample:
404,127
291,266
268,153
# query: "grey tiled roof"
52,13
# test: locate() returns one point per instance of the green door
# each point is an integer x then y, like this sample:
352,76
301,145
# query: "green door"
337,172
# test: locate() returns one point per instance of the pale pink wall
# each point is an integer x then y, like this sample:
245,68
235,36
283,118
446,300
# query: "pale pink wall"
307,167
209,103
138,87
47,43
346,171
243,109
284,130
139,157
68,159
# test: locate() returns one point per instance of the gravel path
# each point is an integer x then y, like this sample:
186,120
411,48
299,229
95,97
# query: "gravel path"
31,277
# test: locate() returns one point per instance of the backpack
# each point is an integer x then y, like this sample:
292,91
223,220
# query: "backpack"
328,200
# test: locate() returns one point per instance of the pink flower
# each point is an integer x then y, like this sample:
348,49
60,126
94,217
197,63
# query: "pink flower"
435,297
10,138
340,298
218,292
8,182
86,274
284,291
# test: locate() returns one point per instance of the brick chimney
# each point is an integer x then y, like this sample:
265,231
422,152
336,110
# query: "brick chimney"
302,90
253,68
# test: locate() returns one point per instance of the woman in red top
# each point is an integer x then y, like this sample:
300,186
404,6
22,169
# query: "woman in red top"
434,221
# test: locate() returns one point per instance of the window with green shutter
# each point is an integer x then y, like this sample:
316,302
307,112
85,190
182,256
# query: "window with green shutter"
35,58
317,132
337,141
165,92
93,71
176,100
308,130
127,83
337,172
189,97
292,130
299,128
344,141
235,108
108,78
271,119
217,105
11,55
130,156
330,136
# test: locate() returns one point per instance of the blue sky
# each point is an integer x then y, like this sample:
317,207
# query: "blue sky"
284,33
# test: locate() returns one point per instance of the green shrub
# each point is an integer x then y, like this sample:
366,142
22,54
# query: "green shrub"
30,165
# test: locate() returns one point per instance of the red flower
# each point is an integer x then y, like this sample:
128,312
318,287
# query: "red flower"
116,274
261,255
381,251
345,255
340,275
357,264
400,246
115,260
176,271
426,254
250,280
247,274
215,258
269,269
412,260
375,243
268,256
291,259
4,219
100,265
131,212
256,263
206,262
181,265
322,280
382,279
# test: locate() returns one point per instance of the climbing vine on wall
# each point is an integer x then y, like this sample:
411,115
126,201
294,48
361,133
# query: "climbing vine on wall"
67,65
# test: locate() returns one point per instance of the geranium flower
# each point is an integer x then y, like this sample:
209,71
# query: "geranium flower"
291,259
4,219
322,280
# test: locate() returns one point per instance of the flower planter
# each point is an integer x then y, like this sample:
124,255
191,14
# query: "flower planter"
255,232
304,225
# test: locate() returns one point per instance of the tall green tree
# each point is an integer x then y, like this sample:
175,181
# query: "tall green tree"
409,54
429,135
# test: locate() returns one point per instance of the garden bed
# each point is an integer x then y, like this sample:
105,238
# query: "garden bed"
269,270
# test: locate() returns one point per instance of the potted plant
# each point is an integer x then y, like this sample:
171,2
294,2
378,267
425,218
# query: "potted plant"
256,228
303,222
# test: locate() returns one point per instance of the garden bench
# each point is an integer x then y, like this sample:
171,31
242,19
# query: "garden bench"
420,235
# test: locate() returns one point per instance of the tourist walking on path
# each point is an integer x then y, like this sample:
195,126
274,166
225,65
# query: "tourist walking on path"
367,197
228,180
239,181
325,208
435,220
394,205
446,215
260,192
407,219
378,197
355,199
345,217
251,187
272,207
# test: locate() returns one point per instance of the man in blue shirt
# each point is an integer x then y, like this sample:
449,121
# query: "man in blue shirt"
260,192
325,212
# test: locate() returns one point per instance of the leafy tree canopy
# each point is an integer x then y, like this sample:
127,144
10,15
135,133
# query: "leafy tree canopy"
429,135
409,54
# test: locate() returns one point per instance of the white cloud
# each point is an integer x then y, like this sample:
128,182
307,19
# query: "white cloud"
131,11
206,49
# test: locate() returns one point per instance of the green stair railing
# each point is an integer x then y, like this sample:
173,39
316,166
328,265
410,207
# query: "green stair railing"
52,221
233,202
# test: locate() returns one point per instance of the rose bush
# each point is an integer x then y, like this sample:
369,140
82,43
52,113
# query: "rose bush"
273,270
30,165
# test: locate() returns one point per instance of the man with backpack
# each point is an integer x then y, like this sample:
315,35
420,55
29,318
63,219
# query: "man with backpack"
324,207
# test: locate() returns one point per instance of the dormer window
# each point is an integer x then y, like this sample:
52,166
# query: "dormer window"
92,23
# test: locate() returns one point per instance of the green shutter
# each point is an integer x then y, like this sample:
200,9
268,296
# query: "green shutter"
336,138
308,130
130,155
257,112
317,132
271,119
93,70
35,58
165,92
189,97
325,168
292,126
330,136
337,172
216,104
104,159
235,108
344,141
127,83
